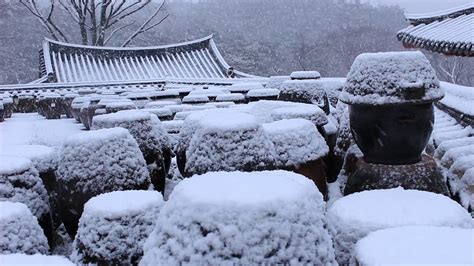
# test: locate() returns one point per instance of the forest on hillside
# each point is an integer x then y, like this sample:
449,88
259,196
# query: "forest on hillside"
262,37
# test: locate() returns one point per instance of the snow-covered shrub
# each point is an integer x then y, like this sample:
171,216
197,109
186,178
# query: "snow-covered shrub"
354,216
416,245
19,230
115,225
241,218
390,77
296,141
20,182
307,111
95,162
229,141
36,259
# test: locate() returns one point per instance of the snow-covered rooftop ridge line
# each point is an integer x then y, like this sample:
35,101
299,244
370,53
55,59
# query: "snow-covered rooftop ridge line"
204,39
468,7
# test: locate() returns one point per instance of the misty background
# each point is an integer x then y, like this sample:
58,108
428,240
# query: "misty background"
262,37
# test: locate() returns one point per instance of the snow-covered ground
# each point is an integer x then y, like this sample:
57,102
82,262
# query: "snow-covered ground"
31,128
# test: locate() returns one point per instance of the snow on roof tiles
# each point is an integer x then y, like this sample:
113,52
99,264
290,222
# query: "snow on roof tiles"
71,63
450,33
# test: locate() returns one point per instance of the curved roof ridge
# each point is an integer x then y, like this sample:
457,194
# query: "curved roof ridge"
458,10
204,39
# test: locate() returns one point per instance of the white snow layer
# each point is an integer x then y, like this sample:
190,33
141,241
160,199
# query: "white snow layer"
20,231
19,259
354,216
44,158
381,78
306,111
31,128
274,82
230,97
305,75
14,165
241,218
120,203
458,97
296,141
417,245
263,93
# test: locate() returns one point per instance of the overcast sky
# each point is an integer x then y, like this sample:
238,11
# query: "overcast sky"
423,6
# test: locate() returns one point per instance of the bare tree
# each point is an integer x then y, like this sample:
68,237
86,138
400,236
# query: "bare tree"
98,20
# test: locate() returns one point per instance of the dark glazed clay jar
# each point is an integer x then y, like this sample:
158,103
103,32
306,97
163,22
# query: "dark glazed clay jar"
392,134
390,97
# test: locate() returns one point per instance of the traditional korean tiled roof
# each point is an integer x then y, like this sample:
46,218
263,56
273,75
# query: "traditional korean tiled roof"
70,63
450,32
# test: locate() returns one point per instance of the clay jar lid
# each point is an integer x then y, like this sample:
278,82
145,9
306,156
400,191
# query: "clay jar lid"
391,78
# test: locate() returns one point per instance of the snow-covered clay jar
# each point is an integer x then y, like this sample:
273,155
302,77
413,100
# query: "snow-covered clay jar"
390,97
96,162
114,227
150,136
120,105
299,148
67,101
20,231
353,217
2,112
262,94
8,105
220,218
76,106
45,160
229,141
51,105
416,245
20,182
305,87
26,102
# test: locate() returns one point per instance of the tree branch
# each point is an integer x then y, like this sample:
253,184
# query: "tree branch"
144,27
